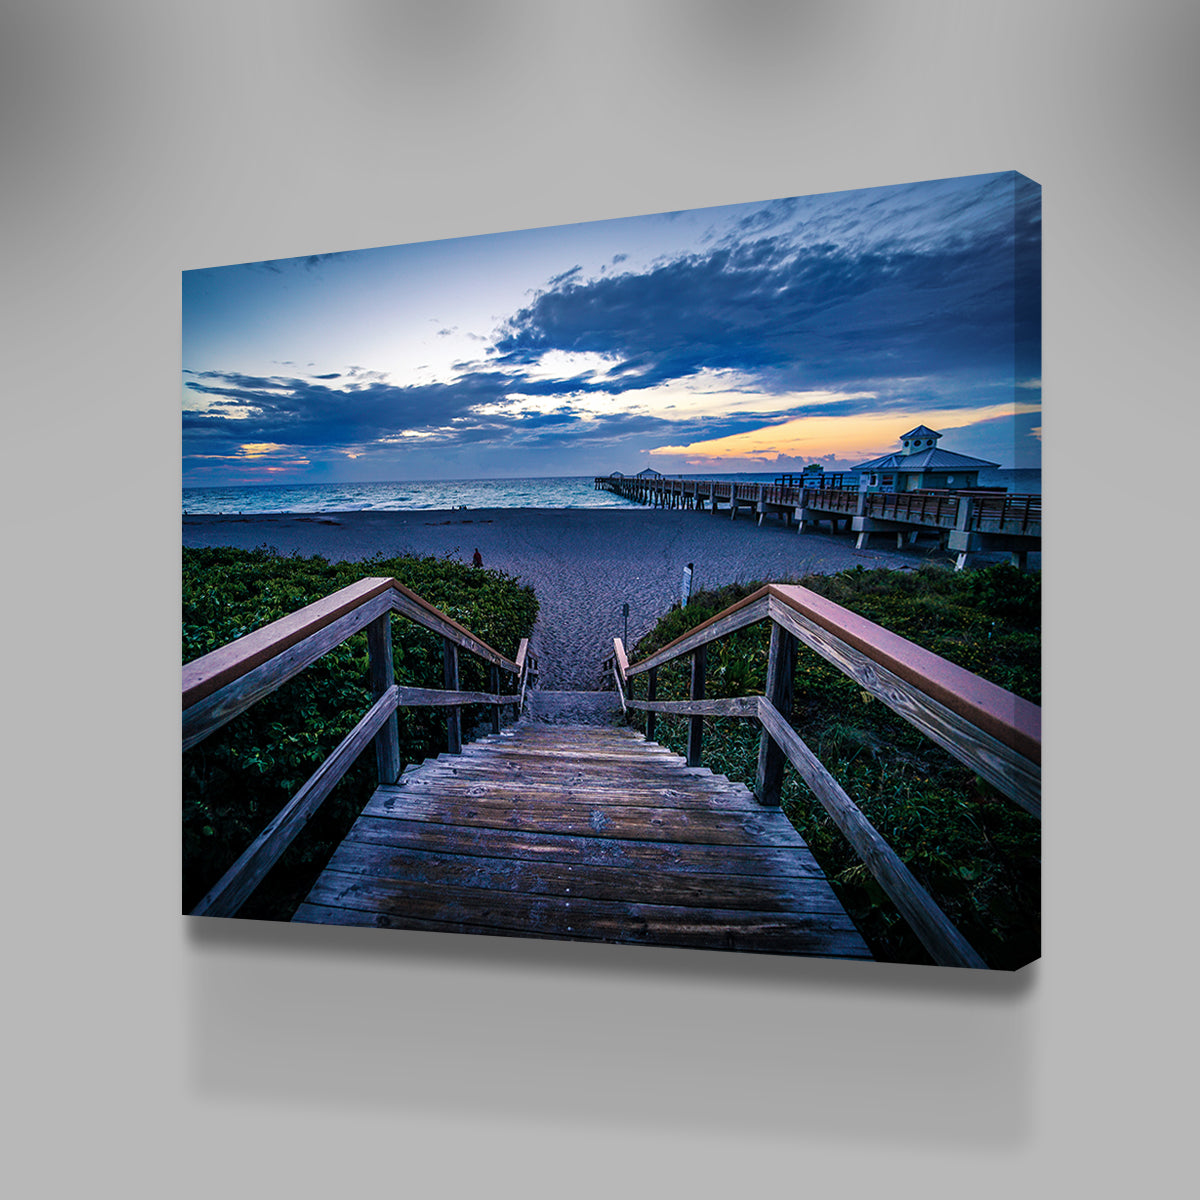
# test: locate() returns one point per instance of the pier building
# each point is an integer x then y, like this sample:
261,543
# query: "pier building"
920,465
920,490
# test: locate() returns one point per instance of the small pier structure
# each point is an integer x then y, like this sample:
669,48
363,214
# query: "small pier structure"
918,491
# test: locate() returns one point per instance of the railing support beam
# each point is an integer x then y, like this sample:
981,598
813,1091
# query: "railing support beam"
379,655
696,692
450,680
651,696
495,676
781,670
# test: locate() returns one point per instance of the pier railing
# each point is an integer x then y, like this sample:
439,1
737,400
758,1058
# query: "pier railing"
1015,515
220,685
991,731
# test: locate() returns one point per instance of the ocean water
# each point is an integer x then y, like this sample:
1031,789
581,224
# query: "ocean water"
401,496
567,491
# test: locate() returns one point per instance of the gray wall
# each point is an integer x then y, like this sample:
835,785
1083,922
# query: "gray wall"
173,1057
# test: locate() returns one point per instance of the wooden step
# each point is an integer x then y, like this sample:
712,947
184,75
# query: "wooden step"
581,832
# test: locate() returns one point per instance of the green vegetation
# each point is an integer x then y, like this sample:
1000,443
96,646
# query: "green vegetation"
237,779
976,852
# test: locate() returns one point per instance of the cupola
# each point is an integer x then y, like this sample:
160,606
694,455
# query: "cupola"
921,438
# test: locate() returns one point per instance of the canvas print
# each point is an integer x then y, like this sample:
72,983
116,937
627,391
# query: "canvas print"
668,580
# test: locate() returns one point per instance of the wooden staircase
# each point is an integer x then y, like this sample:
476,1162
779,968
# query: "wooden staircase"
581,832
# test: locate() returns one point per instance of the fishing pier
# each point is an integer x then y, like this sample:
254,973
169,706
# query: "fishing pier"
964,522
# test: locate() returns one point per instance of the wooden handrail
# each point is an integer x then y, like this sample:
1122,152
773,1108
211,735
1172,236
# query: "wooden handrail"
935,930
210,672
219,685
1013,721
234,888
995,733
748,611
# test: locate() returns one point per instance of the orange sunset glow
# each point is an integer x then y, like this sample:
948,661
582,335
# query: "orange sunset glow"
854,437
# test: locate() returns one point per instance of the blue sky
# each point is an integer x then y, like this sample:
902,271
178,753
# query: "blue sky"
750,337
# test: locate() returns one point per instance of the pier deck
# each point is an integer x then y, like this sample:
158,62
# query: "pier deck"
964,522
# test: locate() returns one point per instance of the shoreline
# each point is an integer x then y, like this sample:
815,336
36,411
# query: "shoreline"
583,563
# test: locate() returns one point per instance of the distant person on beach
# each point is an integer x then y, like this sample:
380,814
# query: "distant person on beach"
477,558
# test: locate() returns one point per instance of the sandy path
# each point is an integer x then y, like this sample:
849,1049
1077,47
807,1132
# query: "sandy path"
583,563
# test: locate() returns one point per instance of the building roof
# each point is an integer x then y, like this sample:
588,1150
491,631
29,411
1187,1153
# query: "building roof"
932,459
919,432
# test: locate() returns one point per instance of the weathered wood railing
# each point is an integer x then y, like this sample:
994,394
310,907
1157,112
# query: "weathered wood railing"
219,686
994,733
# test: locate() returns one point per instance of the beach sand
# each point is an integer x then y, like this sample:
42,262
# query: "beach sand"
584,564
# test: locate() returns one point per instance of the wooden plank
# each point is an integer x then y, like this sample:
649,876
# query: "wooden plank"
695,743
831,945
561,815
934,929
450,677
212,671
235,886
619,682
439,698
578,765
522,663
745,612
216,708
781,669
1002,766
760,893
596,759
1005,717
602,758
622,659
628,854
379,655
607,775
598,920
409,604
623,748
230,662
696,794
735,706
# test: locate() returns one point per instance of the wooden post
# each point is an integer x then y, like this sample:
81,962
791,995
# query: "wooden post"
781,670
495,692
379,656
450,682
696,724
651,695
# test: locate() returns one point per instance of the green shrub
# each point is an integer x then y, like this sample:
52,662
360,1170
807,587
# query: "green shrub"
238,778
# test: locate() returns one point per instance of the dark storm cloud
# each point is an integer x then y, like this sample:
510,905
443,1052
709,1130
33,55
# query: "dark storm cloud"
824,315
299,412
310,416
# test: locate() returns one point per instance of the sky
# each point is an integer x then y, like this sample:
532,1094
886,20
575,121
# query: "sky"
749,337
